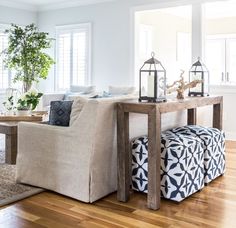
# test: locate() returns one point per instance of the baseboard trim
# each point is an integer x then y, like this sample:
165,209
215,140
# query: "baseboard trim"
230,135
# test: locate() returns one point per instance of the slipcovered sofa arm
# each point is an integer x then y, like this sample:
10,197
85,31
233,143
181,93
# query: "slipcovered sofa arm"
31,128
55,158
38,138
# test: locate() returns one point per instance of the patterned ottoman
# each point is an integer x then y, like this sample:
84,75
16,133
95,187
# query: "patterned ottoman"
214,149
182,169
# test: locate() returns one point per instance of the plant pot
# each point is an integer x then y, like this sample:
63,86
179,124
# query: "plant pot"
23,112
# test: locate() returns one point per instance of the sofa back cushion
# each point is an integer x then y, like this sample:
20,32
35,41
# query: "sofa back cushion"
121,90
82,89
60,113
77,107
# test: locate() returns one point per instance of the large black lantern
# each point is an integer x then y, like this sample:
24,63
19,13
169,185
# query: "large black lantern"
152,81
199,71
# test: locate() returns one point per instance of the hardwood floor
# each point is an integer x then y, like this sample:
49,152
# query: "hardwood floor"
214,206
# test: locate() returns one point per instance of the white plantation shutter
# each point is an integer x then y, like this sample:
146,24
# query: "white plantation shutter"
73,56
63,63
4,73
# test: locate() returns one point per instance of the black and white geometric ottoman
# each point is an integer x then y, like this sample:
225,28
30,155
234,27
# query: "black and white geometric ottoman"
182,168
214,149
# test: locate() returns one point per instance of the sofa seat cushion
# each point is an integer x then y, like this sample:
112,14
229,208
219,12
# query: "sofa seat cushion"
60,113
182,171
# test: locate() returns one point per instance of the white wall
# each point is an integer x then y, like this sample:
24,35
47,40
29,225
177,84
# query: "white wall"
17,16
112,42
111,38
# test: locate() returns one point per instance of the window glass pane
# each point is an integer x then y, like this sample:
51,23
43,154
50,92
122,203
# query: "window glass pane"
231,60
215,59
220,45
64,53
73,56
79,58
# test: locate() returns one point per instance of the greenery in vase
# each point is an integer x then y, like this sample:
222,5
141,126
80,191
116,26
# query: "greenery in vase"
9,103
25,54
29,100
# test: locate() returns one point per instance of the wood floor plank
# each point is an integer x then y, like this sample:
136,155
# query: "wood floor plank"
213,207
50,214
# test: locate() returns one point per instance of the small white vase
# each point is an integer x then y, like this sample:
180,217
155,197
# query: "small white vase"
23,112
10,113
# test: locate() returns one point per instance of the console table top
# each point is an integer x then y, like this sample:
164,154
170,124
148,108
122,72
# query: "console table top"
171,105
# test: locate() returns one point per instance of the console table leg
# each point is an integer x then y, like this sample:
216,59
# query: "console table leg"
192,116
154,159
11,148
218,115
123,155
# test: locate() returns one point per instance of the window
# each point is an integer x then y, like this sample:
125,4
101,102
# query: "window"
220,41
221,58
5,78
73,56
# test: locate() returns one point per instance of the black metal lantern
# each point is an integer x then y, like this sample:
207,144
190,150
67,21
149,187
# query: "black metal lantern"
199,71
152,81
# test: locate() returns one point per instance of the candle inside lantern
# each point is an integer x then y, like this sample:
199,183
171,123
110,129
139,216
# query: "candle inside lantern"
150,89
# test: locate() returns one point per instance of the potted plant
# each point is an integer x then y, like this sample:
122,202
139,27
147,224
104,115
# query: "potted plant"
28,102
22,107
25,54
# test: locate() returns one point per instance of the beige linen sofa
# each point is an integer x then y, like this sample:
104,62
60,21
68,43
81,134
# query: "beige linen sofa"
78,161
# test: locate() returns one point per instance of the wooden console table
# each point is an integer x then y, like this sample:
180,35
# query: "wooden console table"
8,126
154,111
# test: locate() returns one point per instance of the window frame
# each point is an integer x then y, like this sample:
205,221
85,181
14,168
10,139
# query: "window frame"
3,27
60,29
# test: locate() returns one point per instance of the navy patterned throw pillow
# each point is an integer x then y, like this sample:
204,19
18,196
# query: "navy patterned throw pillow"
60,113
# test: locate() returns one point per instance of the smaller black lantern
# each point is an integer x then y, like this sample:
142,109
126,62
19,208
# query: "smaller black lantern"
199,71
152,81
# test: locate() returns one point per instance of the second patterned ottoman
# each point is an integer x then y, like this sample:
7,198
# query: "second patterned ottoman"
214,148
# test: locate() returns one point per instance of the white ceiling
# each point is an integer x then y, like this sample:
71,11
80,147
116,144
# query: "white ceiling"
36,2
40,5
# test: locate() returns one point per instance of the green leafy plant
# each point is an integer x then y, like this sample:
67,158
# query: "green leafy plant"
22,104
29,100
25,54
